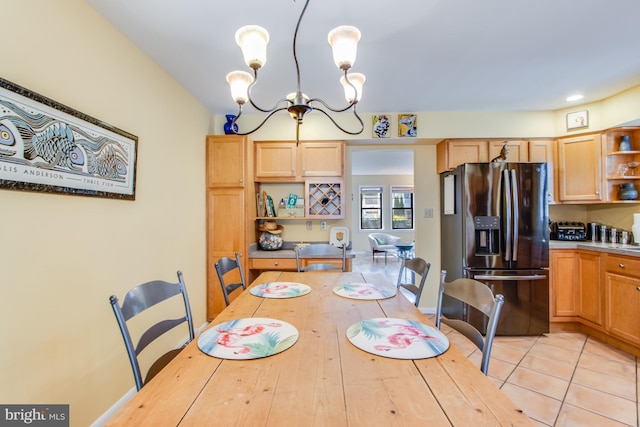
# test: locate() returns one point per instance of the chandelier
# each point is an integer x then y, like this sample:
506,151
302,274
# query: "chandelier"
253,41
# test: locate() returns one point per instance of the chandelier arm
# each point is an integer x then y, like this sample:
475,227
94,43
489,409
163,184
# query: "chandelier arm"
275,106
340,127
271,113
328,107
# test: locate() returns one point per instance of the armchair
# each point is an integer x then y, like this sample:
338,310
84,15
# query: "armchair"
381,243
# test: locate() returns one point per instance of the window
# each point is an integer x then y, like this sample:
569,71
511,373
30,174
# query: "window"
402,207
371,208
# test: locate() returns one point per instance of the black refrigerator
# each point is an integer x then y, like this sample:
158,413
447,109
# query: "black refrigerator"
495,229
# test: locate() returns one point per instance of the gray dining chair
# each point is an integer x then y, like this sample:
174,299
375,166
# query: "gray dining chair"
138,300
479,296
416,266
317,251
226,265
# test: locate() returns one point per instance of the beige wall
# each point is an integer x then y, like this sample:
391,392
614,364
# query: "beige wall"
63,256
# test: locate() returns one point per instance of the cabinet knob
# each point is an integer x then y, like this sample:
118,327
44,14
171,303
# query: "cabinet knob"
276,263
638,288
621,265
241,179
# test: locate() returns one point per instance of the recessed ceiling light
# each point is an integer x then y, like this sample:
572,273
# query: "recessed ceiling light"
574,98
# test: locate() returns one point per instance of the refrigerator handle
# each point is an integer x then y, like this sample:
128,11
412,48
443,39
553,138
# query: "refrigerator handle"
507,199
516,214
516,278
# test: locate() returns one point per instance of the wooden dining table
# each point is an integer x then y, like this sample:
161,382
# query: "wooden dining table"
323,379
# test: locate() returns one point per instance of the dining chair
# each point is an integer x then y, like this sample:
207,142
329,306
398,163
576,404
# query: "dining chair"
224,266
477,295
138,300
320,250
416,266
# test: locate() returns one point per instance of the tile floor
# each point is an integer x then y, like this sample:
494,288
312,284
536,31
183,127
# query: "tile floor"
559,379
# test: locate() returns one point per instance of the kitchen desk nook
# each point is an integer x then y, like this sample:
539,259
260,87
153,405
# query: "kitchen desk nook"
322,379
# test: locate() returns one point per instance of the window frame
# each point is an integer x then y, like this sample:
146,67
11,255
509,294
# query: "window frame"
402,189
362,190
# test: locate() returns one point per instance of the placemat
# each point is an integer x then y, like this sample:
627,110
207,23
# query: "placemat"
249,338
365,291
397,338
280,290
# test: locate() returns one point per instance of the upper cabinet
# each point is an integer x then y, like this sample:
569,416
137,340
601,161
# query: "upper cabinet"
579,169
622,151
226,161
541,150
287,162
517,150
453,152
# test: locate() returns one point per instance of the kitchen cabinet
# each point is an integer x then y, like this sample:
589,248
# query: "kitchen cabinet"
267,264
622,297
453,152
229,198
621,164
284,161
590,297
579,167
563,268
542,150
289,264
518,149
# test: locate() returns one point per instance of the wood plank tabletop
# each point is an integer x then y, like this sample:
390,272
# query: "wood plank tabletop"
323,379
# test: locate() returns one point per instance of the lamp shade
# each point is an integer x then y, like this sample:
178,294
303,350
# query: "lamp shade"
344,42
239,82
357,80
253,40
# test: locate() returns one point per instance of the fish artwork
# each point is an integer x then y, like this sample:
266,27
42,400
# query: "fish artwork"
109,162
56,146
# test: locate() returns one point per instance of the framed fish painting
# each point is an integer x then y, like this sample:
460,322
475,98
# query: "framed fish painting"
48,147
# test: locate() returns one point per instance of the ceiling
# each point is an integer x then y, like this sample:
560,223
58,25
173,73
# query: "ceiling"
418,55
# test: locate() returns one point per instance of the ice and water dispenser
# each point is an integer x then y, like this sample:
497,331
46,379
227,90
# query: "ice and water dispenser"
487,233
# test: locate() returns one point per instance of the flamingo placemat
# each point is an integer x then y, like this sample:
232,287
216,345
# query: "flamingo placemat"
397,338
365,291
280,290
249,338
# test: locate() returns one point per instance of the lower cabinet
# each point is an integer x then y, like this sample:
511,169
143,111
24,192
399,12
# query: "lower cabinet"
590,297
563,272
289,264
622,298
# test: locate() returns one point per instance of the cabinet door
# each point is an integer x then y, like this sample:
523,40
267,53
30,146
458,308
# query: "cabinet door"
275,160
580,169
623,306
563,284
541,150
465,151
225,161
321,158
589,289
225,236
518,150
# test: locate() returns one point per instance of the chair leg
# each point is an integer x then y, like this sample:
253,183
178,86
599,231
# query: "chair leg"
385,257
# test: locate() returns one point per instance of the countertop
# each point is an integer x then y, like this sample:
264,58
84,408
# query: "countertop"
612,248
287,251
